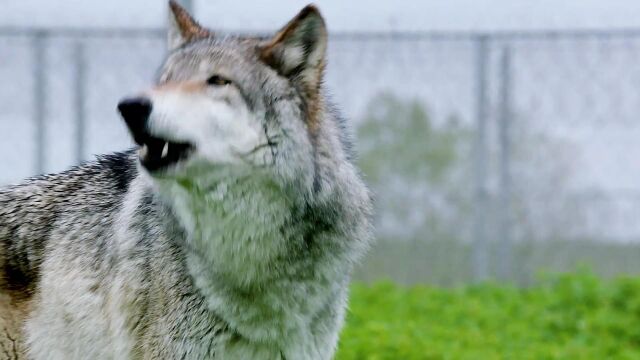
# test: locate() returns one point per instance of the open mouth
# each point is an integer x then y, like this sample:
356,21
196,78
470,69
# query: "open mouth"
157,154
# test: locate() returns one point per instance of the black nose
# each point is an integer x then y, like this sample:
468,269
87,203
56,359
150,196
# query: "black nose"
135,112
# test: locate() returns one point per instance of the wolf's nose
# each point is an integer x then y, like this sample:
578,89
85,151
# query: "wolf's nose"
135,112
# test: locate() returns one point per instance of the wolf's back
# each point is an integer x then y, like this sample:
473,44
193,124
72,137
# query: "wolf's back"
31,211
45,214
23,218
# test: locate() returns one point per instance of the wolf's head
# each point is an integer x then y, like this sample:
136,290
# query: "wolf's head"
236,102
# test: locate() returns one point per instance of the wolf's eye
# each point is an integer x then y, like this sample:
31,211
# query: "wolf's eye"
217,80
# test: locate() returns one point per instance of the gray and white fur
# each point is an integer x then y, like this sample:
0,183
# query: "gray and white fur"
229,233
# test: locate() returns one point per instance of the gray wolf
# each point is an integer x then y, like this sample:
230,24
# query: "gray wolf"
230,232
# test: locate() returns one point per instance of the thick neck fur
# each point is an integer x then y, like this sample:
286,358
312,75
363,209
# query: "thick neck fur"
249,255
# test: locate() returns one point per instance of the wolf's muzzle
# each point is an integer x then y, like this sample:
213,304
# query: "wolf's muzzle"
155,153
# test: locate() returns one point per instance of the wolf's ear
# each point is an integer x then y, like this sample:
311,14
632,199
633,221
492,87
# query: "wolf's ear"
182,27
298,50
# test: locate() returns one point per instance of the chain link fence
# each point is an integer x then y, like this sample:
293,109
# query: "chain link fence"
492,156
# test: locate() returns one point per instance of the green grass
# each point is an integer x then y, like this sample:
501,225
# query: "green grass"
561,317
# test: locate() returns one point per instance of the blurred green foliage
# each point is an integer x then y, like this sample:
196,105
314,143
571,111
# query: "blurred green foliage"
575,316
398,138
415,167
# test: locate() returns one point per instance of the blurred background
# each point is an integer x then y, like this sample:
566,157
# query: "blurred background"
500,137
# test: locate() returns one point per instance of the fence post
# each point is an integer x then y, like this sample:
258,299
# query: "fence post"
480,251
79,99
504,136
39,100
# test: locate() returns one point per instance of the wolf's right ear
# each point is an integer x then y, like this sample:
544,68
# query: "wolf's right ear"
182,27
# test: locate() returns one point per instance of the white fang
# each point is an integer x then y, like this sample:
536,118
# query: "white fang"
165,150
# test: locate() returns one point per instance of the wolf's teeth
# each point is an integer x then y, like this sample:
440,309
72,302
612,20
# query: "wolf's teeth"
165,150
143,151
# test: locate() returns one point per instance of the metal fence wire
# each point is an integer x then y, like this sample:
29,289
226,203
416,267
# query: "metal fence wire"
492,155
